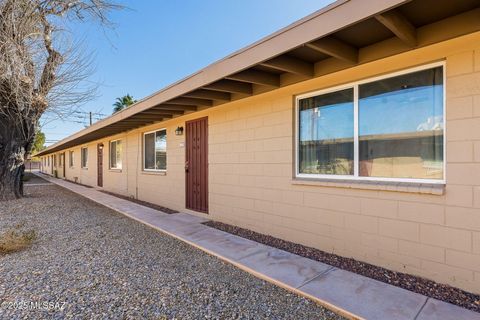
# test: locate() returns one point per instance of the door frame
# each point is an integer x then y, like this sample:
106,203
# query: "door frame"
100,147
64,166
206,166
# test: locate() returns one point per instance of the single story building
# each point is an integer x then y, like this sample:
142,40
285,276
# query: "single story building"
355,130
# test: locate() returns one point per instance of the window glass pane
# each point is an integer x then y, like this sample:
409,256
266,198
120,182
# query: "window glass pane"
326,134
118,156
149,148
113,154
401,126
161,150
84,157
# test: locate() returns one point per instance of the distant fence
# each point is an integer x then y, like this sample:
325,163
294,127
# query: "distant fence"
32,165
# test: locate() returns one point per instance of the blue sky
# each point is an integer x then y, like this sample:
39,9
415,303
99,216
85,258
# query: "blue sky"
158,42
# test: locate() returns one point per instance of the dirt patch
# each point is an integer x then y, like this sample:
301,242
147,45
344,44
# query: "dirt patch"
410,282
16,238
143,203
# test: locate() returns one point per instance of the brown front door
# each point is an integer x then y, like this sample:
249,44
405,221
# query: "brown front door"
100,164
196,165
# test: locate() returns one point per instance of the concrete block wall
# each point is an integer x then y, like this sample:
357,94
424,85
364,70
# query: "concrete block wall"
434,236
251,181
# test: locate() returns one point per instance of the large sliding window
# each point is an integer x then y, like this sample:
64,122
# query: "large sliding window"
390,128
155,150
116,154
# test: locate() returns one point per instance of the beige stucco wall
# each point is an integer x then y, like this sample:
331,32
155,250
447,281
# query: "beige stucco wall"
251,185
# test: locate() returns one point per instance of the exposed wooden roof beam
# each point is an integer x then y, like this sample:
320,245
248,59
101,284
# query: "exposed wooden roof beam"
289,64
139,121
105,134
174,107
209,94
153,117
163,111
126,128
191,101
399,25
335,48
122,127
257,77
124,124
230,86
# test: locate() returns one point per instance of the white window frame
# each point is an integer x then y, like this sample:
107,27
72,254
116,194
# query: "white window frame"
71,158
81,158
155,160
110,154
355,85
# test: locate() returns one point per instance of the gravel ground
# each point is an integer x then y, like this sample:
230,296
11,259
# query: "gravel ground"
143,203
94,263
407,281
33,179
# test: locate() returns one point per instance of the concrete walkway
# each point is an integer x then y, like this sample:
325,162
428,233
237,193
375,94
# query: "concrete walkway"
344,292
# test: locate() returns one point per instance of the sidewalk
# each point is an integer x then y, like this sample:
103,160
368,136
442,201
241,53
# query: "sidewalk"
344,292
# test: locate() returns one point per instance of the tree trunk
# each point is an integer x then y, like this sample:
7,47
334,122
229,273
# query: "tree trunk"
15,141
11,184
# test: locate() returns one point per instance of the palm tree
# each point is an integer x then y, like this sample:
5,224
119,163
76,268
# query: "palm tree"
123,103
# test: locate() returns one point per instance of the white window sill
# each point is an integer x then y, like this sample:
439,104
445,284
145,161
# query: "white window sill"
424,188
115,170
157,173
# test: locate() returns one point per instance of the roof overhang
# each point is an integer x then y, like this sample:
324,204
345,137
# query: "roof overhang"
342,35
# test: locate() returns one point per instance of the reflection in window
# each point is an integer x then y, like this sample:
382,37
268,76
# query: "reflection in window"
326,134
161,150
155,148
116,154
149,148
401,126
400,129
84,157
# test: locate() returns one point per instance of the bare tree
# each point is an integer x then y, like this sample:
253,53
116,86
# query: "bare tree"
40,69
